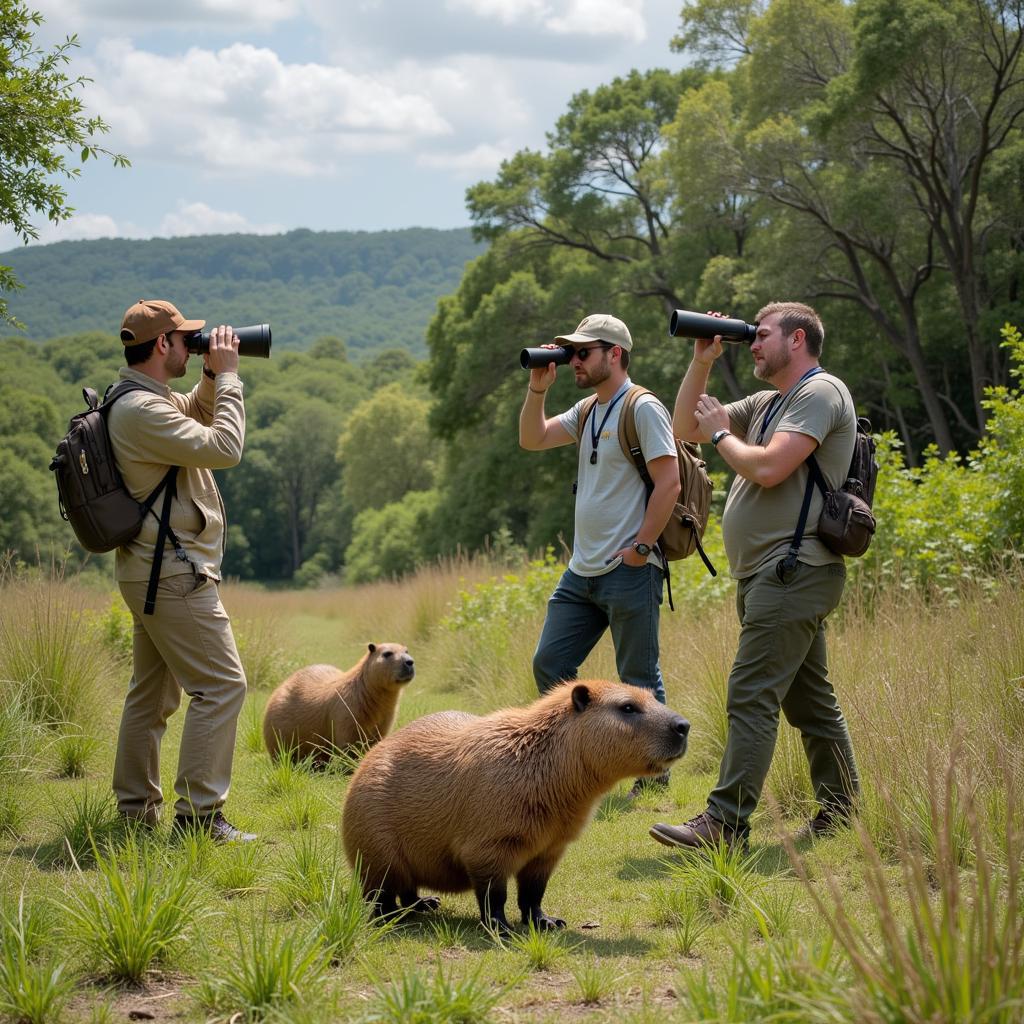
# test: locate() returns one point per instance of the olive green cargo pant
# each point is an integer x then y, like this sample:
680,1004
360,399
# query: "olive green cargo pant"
186,645
781,662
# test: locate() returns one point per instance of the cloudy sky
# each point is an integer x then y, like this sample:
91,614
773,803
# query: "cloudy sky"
266,115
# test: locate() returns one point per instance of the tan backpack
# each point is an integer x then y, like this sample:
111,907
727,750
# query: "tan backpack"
684,530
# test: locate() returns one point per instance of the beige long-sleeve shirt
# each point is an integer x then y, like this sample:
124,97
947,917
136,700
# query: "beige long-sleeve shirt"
155,429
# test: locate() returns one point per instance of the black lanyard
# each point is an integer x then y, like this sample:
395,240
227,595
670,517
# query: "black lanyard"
775,405
595,430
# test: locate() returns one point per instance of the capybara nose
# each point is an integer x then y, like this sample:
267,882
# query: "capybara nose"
681,726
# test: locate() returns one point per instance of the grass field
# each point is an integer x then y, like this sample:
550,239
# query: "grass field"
913,916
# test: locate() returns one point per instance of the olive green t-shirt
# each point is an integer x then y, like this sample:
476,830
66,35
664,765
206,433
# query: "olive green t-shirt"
759,522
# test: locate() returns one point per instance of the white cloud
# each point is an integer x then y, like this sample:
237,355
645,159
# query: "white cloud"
480,161
189,218
77,227
620,18
200,219
242,110
617,18
506,11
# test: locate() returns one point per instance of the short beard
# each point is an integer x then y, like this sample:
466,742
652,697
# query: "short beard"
598,376
772,367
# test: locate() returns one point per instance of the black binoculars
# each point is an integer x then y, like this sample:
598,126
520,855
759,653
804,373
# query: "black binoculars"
686,324
252,341
538,358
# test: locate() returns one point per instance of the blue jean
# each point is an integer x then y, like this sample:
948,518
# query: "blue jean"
628,601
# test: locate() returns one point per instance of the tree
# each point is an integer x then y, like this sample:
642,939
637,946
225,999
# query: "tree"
892,132
40,117
386,449
603,191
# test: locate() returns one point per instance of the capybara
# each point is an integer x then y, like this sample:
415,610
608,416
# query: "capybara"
455,801
320,708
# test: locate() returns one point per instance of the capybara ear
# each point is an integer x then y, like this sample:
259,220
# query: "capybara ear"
580,697
371,647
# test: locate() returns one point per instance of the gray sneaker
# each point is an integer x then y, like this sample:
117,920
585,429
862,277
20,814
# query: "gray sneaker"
215,825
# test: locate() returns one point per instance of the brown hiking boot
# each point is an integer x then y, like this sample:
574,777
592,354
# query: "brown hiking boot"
699,833
827,822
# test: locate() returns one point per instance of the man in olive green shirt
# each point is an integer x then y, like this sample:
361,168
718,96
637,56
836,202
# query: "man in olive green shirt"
182,642
781,661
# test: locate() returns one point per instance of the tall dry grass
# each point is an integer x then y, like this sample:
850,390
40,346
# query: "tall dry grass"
48,653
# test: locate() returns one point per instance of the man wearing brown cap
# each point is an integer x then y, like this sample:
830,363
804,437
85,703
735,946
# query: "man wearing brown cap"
614,578
182,639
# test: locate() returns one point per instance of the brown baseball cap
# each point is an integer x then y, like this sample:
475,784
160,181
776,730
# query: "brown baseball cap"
149,318
600,327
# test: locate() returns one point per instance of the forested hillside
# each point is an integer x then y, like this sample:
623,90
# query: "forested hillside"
372,289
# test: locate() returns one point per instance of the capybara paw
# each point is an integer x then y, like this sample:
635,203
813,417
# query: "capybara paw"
424,905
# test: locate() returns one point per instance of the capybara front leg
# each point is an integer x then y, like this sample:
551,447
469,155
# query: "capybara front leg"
531,882
491,894
384,901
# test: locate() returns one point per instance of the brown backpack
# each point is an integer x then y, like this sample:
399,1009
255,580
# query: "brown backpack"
684,530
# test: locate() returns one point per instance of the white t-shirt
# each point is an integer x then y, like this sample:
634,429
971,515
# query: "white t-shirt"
611,499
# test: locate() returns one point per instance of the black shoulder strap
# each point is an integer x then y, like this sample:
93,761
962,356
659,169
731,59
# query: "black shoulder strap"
169,485
814,478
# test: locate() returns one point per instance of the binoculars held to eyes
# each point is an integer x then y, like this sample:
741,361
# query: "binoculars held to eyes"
252,341
538,358
686,324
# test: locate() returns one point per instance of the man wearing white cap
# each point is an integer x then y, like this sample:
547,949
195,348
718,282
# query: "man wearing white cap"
614,579
182,638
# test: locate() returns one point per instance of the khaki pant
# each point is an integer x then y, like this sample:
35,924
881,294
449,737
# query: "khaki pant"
187,644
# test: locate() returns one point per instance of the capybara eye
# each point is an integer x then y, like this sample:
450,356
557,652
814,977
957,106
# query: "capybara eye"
389,654
629,709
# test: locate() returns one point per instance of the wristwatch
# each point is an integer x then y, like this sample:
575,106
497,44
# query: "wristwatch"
641,548
718,435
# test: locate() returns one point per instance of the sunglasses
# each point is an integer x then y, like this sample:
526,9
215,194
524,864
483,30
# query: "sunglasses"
582,354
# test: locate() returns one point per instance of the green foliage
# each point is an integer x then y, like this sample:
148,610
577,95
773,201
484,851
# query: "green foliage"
138,912
343,919
386,450
786,980
33,988
41,119
505,602
89,821
273,968
952,519
412,998
956,954
542,949
393,540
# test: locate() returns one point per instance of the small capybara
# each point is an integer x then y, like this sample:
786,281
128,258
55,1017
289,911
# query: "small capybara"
320,708
455,801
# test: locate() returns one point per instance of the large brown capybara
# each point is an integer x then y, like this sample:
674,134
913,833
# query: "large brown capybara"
454,801
320,708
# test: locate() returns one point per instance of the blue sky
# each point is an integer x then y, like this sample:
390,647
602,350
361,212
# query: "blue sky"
266,115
